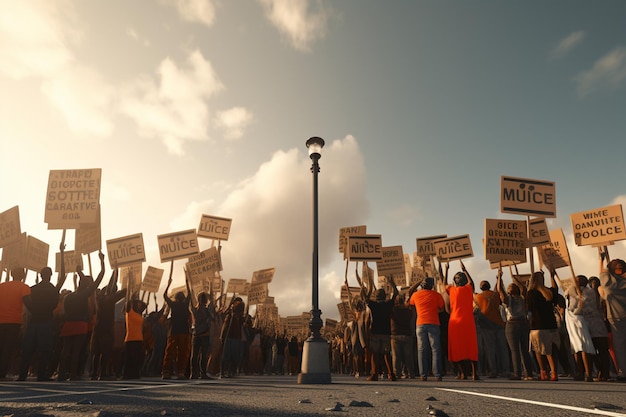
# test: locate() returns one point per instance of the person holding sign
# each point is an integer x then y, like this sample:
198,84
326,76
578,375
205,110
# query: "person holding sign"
12,294
516,327
203,314
543,326
613,290
133,342
179,337
462,339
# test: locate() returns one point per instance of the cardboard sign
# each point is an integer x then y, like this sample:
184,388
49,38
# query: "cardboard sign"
392,262
131,275
178,245
10,230
364,248
263,276
599,225
126,250
344,232
36,254
238,286
496,265
505,240
152,279
355,292
539,234
72,261
453,248
345,312
205,264
14,253
89,237
555,255
527,197
213,227
257,293
73,198
426,245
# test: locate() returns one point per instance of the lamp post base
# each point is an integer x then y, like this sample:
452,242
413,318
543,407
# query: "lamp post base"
315,362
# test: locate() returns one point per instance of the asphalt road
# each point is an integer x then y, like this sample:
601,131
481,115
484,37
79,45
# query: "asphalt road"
282,396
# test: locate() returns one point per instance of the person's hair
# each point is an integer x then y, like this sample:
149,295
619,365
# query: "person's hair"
460,279
514,289
428,283
179,296
582,280
614,263
485,285
381,295
537,279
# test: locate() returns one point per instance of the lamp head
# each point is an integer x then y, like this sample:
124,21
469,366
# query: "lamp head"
315,145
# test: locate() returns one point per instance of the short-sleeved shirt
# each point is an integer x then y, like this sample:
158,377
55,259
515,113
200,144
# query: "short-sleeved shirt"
541,310
381,316
427,305
44,298
11,303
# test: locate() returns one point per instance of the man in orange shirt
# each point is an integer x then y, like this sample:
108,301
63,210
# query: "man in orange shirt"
428,303
11,299
491,330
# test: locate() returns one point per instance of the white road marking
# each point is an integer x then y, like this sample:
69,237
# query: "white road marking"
544,404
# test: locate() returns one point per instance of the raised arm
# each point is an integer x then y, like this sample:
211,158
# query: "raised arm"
62,274
500,286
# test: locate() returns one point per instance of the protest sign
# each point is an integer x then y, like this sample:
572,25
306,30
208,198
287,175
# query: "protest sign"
505,240
89,237
10,230
257,293
126,250
528,197
364,248
555,255
152,279
72,261
130,275
213,227
426,246
238,286
178,245
539,234
204,264
14,253
355,292
73,197
598,226
344,232
263,276
36,254
391,262
453,248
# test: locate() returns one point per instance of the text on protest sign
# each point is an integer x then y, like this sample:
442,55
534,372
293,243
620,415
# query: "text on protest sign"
539,234
73,197
355,292
392,262
89,237
205,264
598,226
263,276
344,232
126,250
257,293
426,245
364,248
36,254
505,240
453,248
152,279
213,227
555,255
238,286
527,197
10,230
72,261
178,245
345,312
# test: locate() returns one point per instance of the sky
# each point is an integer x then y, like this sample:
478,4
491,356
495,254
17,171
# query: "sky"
195,107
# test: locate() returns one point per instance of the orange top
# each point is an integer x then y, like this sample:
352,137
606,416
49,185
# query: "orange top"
11,293
134,327
427,305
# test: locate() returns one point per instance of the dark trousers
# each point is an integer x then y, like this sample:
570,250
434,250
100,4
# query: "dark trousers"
199,354
70,356
9,334
517,336
134,359
101,353
38,338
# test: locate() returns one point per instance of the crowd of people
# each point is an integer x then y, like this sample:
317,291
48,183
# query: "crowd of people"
528,331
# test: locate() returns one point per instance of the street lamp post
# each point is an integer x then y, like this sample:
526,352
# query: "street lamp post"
315,363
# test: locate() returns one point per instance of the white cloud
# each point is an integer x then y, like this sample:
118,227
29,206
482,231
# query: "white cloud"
33,38
303,22
233,121
135,36
278,198
404,214
567,44
84,99
173,108
608,73
202,11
